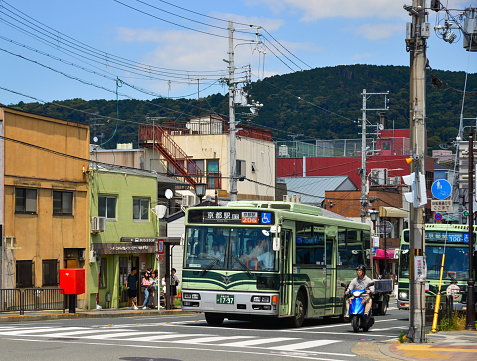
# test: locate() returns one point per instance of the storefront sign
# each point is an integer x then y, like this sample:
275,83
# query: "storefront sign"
123,248
139,239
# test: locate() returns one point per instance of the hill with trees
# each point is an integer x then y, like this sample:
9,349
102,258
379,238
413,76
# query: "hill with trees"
322,103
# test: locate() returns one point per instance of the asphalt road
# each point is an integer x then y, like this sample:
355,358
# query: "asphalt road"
191,338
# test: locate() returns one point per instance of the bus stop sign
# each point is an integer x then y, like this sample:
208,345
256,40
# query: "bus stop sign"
441,189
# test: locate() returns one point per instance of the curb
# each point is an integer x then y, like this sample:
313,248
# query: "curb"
81,315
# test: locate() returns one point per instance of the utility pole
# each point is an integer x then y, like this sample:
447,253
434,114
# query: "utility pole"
417,32
470,316
233,145
364,174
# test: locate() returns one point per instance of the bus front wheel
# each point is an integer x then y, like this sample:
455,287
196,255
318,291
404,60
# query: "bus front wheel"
300,308
214,319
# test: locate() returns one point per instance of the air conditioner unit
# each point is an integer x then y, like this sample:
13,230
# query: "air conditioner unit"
394,181
82,255
189,200
98,224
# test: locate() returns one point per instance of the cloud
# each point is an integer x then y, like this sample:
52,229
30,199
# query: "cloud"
311,10
377,31
364,56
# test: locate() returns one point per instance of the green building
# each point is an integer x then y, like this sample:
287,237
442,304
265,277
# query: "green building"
123,232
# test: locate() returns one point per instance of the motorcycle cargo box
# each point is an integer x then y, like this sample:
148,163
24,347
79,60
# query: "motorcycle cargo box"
383,285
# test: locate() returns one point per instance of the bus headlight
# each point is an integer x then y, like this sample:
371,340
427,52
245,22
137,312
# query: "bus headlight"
261,299
191,296
403,295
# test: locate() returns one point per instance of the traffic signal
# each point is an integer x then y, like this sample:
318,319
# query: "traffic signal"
466,213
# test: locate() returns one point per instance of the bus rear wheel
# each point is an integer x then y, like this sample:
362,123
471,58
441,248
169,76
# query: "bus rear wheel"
214,319
300,308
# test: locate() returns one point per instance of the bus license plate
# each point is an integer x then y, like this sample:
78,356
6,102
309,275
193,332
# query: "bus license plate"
225,299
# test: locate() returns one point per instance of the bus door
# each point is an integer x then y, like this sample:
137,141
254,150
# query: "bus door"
285,265
330,262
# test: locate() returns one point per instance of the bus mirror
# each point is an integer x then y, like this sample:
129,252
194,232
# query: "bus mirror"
276,244
182,239
273,229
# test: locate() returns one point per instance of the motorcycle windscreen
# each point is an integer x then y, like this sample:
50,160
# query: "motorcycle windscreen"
356,306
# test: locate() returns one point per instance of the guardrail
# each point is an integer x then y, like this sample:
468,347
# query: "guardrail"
32,299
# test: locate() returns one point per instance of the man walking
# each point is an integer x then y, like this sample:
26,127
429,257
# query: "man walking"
131,284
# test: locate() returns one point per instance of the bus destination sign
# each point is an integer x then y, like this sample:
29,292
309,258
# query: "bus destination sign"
229,216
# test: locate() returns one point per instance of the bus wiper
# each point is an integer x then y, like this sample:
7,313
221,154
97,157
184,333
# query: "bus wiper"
210,265
242,264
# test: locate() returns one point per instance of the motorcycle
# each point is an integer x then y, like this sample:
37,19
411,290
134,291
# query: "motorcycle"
356,311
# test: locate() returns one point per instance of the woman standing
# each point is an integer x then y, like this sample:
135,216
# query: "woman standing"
173,288
146,282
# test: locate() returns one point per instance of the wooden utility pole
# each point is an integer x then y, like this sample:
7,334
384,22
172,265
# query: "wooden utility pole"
416,44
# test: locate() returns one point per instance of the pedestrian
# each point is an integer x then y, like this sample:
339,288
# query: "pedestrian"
131,285
146,283
173,287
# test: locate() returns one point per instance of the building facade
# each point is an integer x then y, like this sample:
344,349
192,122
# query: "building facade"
123,232
45,199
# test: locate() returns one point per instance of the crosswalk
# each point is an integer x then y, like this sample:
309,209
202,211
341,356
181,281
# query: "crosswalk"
133,335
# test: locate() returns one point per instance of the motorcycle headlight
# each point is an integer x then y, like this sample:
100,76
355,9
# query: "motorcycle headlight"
356,293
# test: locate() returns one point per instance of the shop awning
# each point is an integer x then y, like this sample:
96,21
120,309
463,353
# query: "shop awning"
380,254
392,212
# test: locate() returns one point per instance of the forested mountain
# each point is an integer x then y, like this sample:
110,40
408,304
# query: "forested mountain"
321,103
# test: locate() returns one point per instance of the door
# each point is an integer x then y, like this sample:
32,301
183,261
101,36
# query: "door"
285,265
330,262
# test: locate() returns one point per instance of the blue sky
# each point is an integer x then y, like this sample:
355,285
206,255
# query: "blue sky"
319,33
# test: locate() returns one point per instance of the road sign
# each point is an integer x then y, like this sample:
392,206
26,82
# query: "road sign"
385,227
441,205
454,291
441,189
438,217
160,246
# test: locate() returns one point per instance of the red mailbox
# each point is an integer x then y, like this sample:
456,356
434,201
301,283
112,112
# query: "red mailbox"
72,281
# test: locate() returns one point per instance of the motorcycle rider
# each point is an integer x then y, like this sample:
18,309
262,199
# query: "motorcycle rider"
361,282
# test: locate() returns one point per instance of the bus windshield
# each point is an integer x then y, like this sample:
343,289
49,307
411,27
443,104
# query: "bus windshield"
227,248
456,264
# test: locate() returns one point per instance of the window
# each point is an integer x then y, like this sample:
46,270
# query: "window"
107,207
50,270
62,203
386,145
25,200
25,274
213,177
103,267
140,209
240,168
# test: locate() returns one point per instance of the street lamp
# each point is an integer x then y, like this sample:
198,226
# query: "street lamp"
200,189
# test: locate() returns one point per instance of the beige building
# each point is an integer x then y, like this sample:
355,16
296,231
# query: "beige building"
44,176
202,146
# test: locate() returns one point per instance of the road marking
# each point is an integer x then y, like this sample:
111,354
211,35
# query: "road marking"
303,345
309,355
159,338
258,341
388,328
73,333
37,330
208,339
347,333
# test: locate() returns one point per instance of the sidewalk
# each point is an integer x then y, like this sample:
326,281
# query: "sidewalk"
444,345
81,313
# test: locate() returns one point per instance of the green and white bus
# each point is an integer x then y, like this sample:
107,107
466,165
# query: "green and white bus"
454,240
269,259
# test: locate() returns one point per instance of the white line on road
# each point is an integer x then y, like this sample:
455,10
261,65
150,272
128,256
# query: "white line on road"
102,344
208,339
37,330
258,341
303,345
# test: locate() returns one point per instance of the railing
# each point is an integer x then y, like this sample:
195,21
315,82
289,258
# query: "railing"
32,299
182,163
10,299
